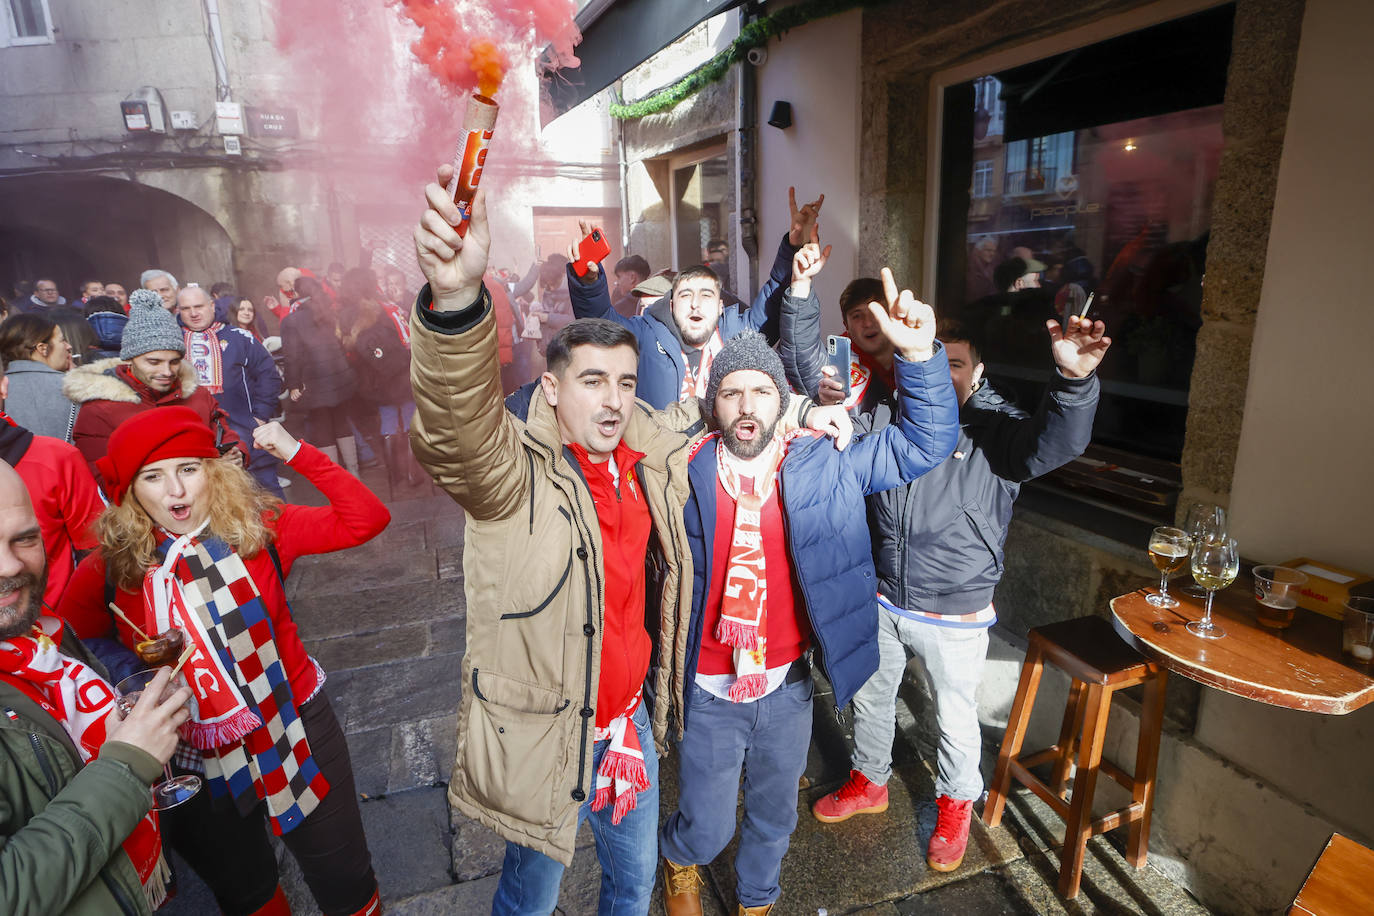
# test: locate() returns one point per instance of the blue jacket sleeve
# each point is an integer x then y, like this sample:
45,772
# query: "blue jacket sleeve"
264,383
925,432
594,301
763,313
1019,448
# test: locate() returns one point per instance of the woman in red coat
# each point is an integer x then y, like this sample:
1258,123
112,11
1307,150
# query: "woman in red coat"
191,542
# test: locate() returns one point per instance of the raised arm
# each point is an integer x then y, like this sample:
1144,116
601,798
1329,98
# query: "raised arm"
799,345
926,427
1020,448
462,434
764,314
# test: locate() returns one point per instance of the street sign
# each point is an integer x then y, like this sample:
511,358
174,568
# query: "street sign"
273,122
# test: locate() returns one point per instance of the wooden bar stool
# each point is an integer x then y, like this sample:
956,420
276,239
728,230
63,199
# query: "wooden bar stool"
1100,664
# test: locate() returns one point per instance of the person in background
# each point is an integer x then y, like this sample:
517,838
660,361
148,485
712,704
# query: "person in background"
233,366
80,337
377,336
394,288
89,289
284,303
44,298
162,283
120,294
334,276
96,768
245,315
320,381
629,272
64,495
106,318
679,336
190,541
150,374
37,357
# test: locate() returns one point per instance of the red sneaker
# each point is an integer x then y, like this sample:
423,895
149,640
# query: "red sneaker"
950,839
856,796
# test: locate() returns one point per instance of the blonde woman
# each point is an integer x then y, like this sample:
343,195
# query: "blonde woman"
191,542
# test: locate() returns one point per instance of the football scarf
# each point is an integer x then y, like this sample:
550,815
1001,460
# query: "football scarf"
205,353
622,775
694,383
743,621
244,720
81,701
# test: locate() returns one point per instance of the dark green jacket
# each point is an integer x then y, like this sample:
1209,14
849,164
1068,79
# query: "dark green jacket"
62,824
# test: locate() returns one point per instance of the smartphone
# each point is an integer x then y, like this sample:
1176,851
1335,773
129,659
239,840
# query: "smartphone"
837,354
593,248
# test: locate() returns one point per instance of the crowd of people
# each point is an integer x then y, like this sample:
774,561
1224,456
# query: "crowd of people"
677,505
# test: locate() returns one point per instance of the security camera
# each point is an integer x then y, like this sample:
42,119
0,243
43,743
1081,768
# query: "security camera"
757,56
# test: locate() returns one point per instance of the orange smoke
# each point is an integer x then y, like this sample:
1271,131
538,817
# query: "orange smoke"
489,63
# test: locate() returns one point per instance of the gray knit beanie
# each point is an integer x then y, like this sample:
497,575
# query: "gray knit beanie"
151,327
748,350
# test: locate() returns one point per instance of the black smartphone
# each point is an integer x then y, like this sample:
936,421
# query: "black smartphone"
837,354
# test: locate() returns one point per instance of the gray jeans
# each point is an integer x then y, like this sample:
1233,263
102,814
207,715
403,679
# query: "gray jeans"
953,662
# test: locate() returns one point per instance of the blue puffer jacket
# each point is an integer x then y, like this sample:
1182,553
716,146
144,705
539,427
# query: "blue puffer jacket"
661,364
822,492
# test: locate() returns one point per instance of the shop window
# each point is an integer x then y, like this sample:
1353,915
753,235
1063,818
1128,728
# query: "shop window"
1096,167
27,22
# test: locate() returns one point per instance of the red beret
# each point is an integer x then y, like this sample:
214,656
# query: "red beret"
163,432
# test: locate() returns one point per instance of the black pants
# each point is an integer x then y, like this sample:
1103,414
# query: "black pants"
324,425
232,853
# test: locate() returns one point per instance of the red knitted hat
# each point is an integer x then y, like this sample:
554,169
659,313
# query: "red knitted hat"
163,432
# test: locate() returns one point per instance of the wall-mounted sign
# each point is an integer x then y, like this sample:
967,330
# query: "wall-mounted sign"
273,122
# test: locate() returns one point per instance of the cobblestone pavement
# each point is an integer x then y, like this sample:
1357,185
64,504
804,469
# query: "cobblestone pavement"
386,621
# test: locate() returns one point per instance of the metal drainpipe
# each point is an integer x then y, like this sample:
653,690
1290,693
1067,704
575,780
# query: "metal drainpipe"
217,46
748,159
624,180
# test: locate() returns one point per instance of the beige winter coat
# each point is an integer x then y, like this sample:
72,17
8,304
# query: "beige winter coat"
533,578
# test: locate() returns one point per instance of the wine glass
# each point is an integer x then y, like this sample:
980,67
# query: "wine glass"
1216,562
1168,552
1200,520
174,790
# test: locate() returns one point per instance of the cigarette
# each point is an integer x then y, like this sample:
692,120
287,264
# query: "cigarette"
470,157
1087,305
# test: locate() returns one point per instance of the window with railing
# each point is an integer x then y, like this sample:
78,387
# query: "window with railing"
982,178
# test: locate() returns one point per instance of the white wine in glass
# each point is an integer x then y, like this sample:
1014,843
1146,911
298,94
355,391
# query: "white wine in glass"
1216,563
1168,552
1203,520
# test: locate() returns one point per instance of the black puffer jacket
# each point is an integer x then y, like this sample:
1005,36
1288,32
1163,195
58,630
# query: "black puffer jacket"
938,541
314,360
383,363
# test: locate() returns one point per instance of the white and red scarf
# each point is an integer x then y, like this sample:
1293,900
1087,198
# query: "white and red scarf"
243,709
205,353
81,701
400,319
743,621
862,370
622,775
694,383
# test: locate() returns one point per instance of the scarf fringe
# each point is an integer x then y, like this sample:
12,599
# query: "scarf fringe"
625,802
737,634
155,888
748,687
206,736
625,768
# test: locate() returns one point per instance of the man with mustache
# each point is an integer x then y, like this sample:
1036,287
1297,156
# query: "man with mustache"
681,334
69,766
781,563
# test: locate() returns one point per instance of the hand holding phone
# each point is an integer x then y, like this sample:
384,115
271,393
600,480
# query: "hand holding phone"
838,354
592,249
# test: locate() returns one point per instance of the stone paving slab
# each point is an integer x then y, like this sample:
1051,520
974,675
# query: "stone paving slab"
408,834
422,688
470,898
351,612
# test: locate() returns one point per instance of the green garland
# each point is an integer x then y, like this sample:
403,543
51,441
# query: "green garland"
754,35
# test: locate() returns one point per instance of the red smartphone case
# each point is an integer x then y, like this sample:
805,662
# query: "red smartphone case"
592,248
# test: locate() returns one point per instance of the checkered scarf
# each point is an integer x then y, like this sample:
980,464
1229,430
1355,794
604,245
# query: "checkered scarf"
246,725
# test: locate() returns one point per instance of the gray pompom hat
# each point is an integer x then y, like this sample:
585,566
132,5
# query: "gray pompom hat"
747,350
151,327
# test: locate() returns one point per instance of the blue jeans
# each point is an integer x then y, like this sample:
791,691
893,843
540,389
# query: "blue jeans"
627,852
768,739
392,416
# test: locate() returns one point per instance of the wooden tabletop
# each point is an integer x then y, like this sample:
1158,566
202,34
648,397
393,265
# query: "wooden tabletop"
1341,883
1301,667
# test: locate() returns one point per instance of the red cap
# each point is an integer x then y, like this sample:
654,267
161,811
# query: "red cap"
163,432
